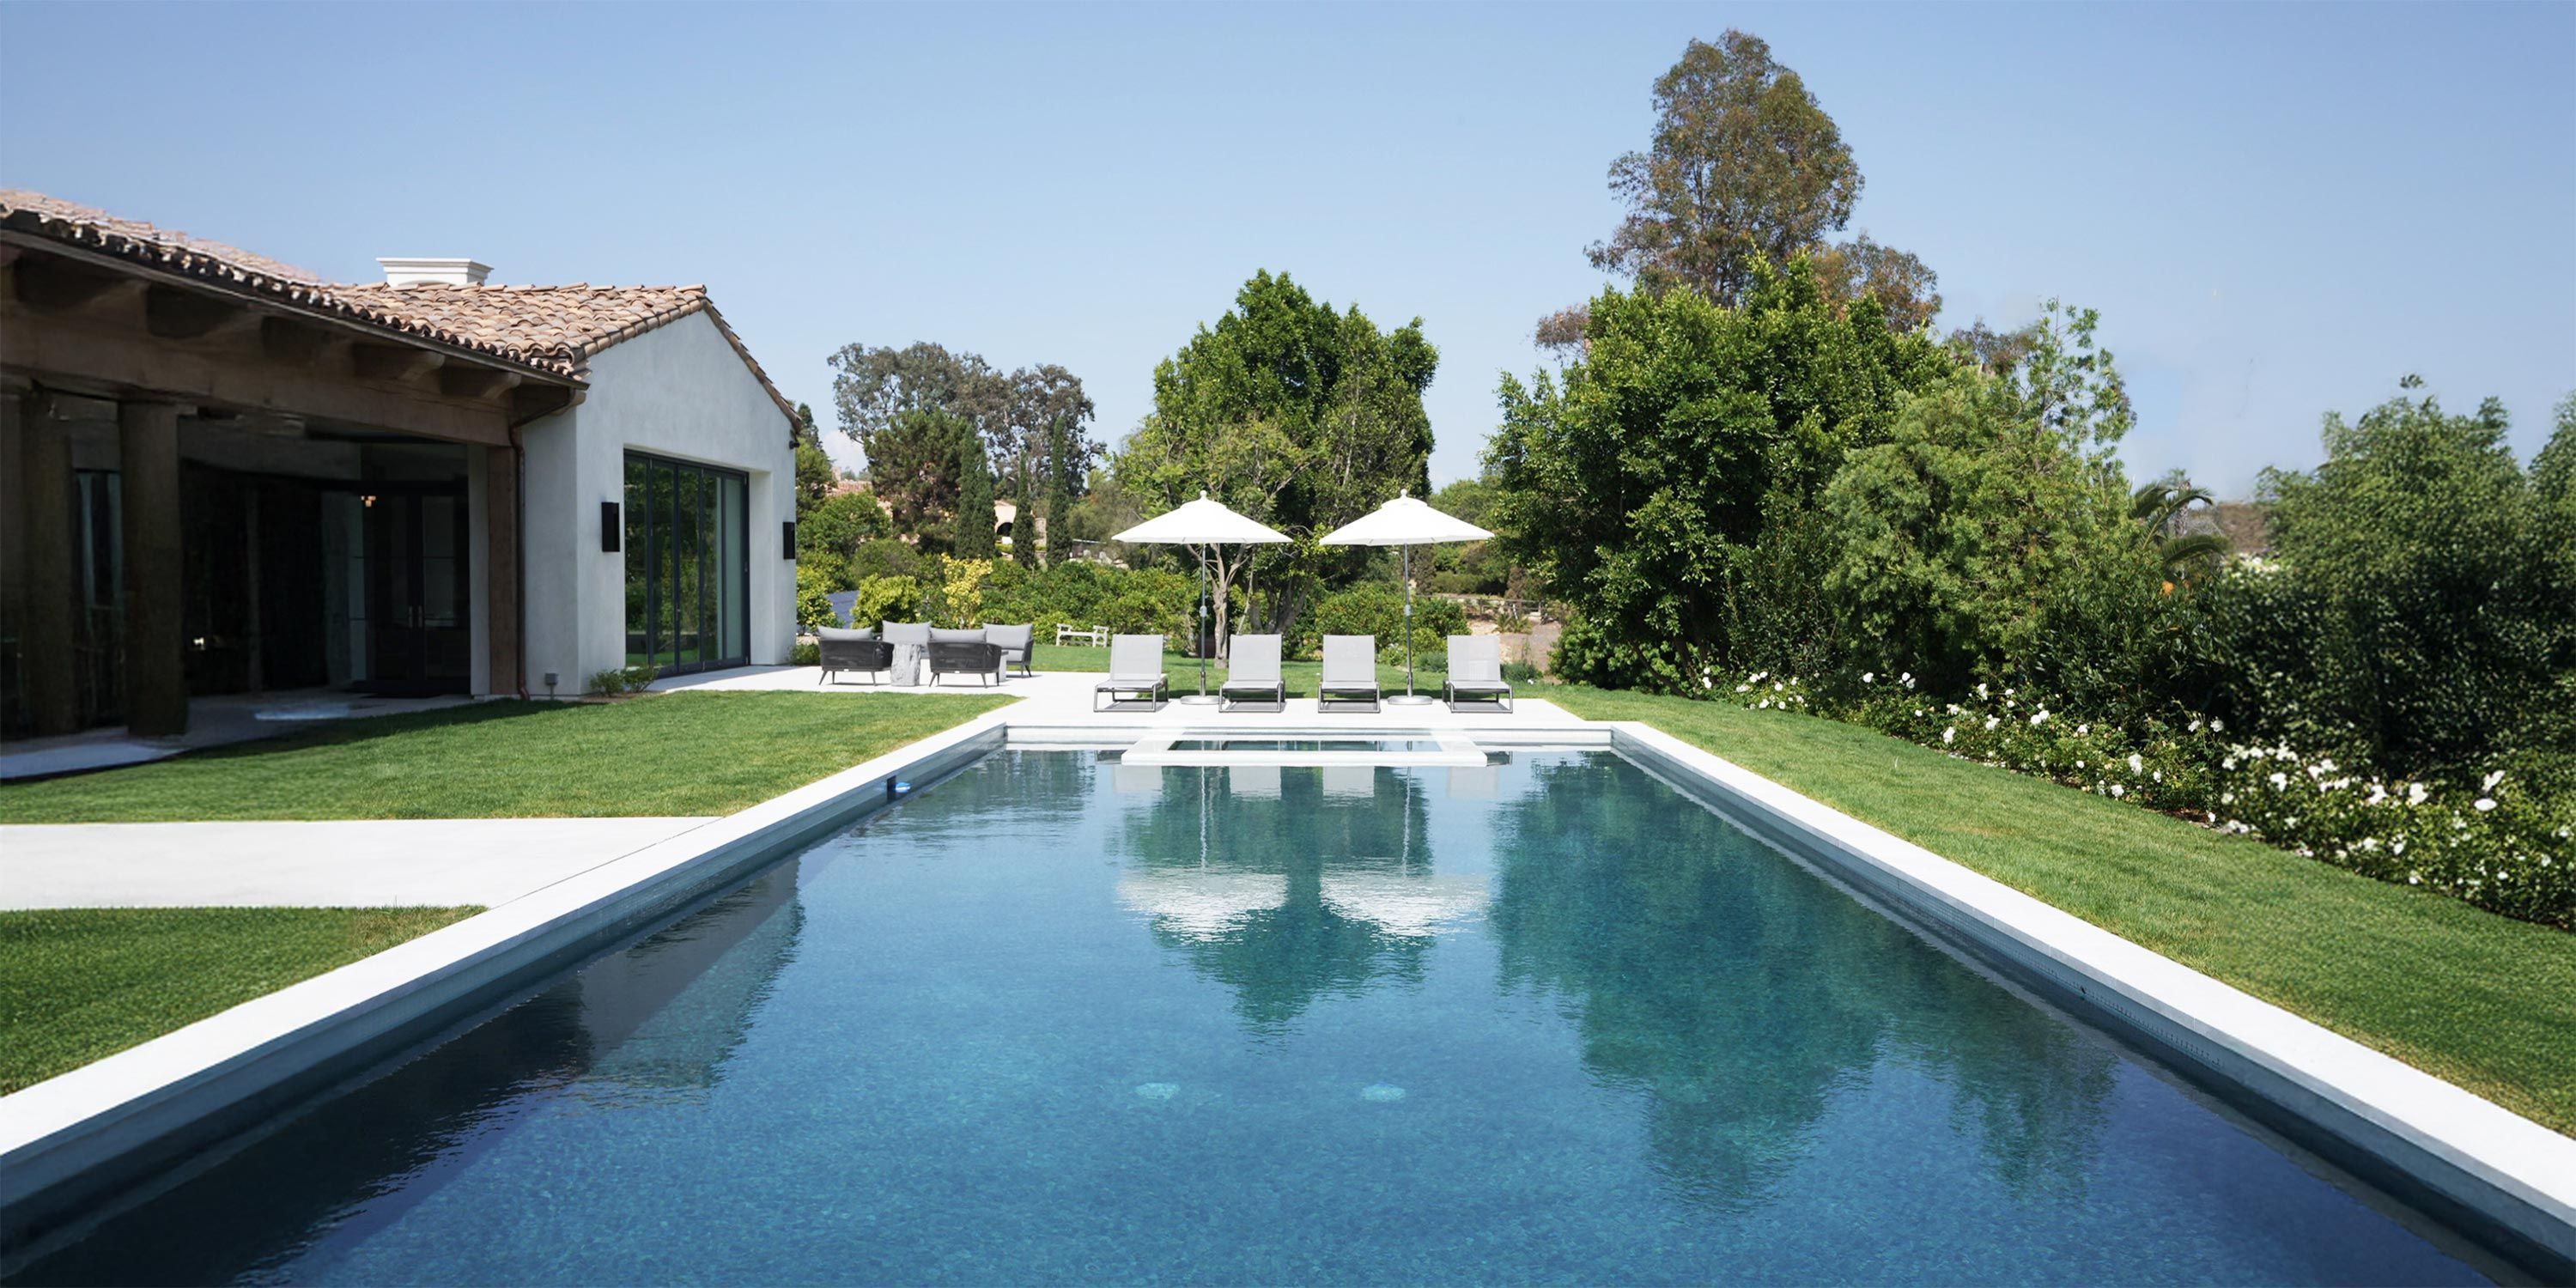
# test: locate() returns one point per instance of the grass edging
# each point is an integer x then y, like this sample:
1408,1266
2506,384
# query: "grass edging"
2483,1001
663,754
79,984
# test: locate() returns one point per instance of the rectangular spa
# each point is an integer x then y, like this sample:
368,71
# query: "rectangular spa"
1063,1019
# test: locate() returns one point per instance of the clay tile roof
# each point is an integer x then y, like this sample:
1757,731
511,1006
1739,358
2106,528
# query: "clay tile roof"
564,324
554,329
234,269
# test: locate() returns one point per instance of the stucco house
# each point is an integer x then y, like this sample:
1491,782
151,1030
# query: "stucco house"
221,475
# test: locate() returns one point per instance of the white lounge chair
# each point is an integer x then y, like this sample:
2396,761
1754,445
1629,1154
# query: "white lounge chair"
1350,667
1135,667
1476,672
1252,671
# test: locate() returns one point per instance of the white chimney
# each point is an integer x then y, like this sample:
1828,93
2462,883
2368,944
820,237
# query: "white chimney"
416,271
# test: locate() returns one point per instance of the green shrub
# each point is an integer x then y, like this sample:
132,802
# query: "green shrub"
1372,608
804,653
814,597
629,679
886,599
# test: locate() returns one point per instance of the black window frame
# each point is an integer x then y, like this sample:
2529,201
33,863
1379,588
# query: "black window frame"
647,540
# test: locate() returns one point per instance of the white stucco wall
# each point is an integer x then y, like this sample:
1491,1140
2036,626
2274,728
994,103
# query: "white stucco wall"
681,392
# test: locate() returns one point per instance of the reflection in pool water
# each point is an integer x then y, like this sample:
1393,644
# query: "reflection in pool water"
1063,1020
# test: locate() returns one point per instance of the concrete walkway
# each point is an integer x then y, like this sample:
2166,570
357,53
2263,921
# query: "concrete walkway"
372,863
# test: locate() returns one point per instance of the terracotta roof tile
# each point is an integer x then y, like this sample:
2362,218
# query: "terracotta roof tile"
178,253
551,328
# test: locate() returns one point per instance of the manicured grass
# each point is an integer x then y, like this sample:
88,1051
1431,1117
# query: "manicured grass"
674,753
80,984
2484,1001
1184,671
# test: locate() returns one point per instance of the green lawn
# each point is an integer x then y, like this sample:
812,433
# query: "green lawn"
682,753
2481,1000
1184,671
80,984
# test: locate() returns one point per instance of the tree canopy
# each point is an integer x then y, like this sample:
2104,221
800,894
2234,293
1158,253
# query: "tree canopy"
1293,413
1745,169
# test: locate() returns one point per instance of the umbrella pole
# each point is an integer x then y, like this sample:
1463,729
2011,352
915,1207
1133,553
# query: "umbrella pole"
1410,697
1204,646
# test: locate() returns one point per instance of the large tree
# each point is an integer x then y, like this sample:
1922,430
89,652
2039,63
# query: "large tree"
906,408
1653,488
1297,415
815,475
1745,169
1045,453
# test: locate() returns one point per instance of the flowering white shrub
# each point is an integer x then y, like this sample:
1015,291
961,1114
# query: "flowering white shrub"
2490,840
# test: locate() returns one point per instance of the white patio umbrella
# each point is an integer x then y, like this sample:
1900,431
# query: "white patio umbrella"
1405,522
1201,525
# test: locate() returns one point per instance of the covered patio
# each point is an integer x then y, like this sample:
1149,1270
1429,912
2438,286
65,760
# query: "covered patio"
223,481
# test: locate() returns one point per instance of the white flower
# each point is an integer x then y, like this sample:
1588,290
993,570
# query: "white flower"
1704,682
1744,688
2485,803
1992,721
1756,677
2082,730
2195,724
1869,677
2037,717
2118,791
2415,793
1906,679
2136,763
2279,779
2491,781
1948,734
2218,726
1981,688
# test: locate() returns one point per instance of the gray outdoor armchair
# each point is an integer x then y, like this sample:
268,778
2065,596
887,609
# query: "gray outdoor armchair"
1016,643
849,650
1476,672
1252,672
1135,667
964,652
1350,667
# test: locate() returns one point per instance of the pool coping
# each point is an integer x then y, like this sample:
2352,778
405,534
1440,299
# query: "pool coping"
92,1131
2490,1165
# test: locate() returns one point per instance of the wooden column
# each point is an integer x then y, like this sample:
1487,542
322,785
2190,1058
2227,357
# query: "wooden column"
156,657
44,551
501,571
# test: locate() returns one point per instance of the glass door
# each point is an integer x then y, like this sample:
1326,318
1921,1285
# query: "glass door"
687,571
417,621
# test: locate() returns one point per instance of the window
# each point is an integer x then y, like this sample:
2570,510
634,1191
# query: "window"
687,575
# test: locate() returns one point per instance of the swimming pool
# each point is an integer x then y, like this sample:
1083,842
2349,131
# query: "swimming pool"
1060,1018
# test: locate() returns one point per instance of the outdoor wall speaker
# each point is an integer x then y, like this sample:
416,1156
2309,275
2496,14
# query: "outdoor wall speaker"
610,527
787,539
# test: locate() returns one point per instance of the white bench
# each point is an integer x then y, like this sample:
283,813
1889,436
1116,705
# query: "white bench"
1096,636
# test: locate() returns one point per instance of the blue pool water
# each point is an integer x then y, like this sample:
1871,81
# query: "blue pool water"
1062,1020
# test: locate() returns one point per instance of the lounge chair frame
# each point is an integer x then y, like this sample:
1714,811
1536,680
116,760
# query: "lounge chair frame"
1347,658
1266,680
1133,650
1476,673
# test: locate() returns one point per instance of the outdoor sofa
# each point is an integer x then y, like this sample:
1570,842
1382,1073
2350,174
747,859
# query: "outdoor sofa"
842,649
1476,672
1350,668
1252,672
1135,667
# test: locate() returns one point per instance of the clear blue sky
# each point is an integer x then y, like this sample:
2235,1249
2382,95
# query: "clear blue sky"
2278,210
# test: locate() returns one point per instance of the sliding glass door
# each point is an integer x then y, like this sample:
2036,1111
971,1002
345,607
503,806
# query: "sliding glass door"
687,543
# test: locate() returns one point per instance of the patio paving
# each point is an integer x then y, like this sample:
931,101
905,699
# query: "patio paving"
1057,699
